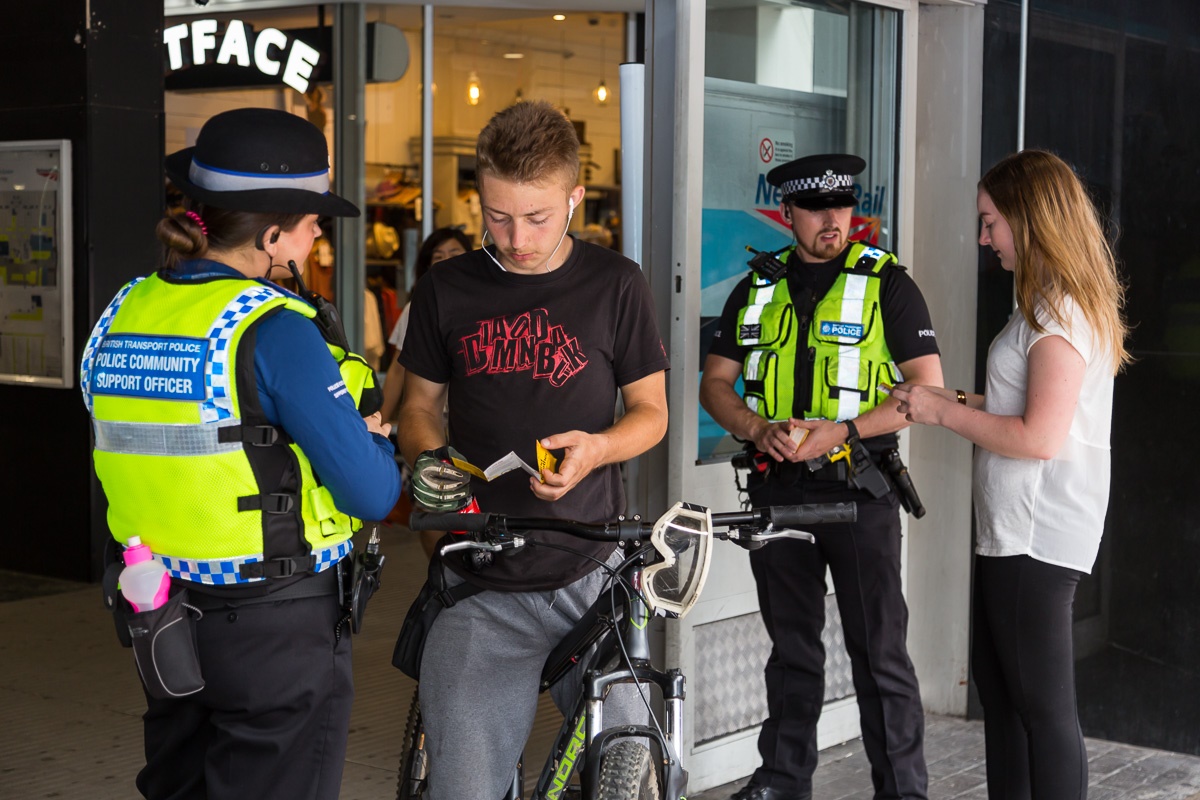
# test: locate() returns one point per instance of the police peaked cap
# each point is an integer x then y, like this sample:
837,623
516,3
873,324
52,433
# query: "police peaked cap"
824,181
259,159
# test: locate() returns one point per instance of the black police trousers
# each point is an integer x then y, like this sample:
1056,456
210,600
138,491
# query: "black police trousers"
273,718
864,560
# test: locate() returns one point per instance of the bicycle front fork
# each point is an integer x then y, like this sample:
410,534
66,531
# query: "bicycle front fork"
665,739
671,684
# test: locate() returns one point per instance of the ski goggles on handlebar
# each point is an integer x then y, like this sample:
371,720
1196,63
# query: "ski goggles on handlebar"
683,537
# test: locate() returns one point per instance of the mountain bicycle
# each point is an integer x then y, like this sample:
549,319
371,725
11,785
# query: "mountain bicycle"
663,573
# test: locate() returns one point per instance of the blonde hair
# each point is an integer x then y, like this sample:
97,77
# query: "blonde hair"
529,142
1061,249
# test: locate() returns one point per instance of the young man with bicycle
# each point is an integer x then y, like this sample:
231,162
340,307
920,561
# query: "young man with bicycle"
530,339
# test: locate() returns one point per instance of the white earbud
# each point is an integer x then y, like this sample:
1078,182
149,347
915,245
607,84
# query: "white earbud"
570,206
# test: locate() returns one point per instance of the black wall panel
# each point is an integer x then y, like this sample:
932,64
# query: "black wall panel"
96,81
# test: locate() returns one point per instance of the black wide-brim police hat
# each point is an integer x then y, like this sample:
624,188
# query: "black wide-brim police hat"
820,181
259,159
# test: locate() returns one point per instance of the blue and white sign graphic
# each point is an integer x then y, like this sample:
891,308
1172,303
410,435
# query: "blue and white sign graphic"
159,367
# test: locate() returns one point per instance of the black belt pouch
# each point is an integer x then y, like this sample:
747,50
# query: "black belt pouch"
433,597
164,647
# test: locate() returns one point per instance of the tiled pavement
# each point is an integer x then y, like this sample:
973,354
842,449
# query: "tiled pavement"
70,707
954,751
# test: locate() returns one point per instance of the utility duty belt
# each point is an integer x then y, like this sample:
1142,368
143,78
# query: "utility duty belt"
850,464
830,471
164,639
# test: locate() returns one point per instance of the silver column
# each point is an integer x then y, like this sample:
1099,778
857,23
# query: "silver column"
349,157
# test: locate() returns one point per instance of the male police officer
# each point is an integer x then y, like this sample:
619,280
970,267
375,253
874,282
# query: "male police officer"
813,340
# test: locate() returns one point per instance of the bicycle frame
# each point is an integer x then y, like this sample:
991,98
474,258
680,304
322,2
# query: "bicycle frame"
583,732
617,625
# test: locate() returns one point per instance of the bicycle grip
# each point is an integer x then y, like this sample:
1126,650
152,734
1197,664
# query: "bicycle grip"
813,514
447,521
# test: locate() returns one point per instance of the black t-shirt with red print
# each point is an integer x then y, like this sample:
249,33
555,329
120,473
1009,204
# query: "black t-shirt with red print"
526,357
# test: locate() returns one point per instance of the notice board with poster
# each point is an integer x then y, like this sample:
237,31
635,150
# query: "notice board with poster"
35,263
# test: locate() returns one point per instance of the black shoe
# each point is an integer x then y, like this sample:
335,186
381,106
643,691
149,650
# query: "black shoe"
752,791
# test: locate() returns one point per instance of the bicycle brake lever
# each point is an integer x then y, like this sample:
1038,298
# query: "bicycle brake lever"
491,547
741,538
783,533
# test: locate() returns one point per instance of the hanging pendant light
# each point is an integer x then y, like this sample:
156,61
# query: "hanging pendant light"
601,94
474,91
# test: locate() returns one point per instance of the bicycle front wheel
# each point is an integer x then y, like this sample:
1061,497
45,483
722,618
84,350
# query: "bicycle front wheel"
627,773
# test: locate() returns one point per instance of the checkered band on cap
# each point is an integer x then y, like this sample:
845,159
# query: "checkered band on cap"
98,334
226,572
824,183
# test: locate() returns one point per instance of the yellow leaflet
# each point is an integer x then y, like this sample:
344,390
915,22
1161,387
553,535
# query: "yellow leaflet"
546,459
468,467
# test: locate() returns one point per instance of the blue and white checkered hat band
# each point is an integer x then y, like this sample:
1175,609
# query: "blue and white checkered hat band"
824,183
225,572
220,180
218,404
98,334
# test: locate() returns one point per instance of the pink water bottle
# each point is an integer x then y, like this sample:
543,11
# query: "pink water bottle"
145,583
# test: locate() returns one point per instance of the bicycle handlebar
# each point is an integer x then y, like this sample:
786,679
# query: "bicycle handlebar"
766,516
446,521
786,516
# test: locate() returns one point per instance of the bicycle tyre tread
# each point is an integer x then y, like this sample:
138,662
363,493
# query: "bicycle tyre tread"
413,730
627,773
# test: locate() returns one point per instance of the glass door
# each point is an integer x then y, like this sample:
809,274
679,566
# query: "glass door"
780,82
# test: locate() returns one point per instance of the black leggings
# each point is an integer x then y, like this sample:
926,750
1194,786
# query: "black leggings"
1024,667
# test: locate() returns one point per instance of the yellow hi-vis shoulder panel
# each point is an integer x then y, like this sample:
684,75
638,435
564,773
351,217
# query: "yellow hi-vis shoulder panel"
850,357
207,488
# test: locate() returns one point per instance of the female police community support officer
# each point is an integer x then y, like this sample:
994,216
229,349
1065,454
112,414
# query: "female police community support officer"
227,439
812,343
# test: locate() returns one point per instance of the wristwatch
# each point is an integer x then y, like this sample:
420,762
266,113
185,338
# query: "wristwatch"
962,396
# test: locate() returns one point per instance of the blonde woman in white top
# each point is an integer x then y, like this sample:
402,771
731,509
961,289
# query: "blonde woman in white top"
1041,472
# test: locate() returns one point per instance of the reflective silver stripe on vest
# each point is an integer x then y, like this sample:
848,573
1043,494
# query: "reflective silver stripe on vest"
98,334
154,439
752,373
849,357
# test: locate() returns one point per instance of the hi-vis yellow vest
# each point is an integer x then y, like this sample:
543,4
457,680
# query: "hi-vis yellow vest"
847,349
187,459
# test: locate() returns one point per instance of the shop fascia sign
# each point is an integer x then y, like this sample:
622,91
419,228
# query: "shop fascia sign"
240,45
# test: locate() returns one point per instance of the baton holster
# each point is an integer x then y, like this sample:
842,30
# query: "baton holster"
362,581
900,478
